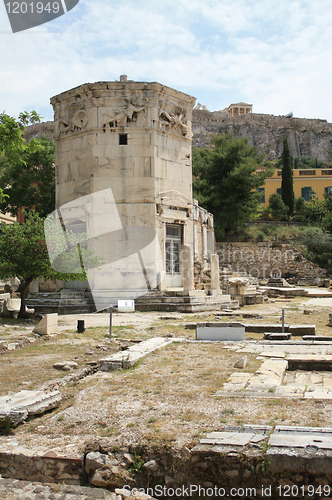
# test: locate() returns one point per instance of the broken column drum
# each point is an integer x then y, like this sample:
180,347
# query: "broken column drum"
123,175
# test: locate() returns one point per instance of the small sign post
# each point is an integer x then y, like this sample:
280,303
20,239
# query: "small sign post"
111,310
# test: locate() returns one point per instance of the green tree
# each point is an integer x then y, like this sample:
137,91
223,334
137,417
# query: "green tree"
29,181
225,182
277,206
319,247
11,140
287,188
24,254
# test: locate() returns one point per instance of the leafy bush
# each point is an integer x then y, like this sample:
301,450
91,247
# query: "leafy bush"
277,206
319,247
317,241
260,236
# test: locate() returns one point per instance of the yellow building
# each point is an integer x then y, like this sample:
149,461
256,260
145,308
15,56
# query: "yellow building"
316,181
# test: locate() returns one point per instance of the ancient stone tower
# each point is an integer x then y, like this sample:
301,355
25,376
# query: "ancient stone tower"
123,174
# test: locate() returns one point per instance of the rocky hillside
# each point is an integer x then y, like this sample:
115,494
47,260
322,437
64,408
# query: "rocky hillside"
266,132
306,137
45,128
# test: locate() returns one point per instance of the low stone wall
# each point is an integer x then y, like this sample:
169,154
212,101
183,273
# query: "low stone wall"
265,260
202,471
34,465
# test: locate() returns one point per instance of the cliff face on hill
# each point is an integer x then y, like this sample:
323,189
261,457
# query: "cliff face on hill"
306,137
266,132
44,128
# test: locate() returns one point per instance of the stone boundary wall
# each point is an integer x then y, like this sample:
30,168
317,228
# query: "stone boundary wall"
205,467
32,465
265,260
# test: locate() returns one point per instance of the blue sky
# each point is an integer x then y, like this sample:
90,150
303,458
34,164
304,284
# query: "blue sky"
274,55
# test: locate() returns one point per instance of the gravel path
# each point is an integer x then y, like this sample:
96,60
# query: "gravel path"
11,489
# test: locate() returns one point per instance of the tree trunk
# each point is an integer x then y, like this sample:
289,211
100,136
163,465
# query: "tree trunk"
24,293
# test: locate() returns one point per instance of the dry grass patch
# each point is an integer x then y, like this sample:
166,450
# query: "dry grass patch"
167,398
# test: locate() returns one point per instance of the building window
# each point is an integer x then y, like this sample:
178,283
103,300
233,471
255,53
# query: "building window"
328,190
306,193
123,139
261,191
279,191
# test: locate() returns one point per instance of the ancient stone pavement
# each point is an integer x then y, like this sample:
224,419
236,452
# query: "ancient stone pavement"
290,369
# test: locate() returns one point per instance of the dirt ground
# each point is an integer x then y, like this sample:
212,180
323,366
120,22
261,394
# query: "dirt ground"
169,398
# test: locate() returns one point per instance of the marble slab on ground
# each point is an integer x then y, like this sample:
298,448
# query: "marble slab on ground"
133,353
318,393
237,382
19,406
320,438
229,438
285,391
303,379
298,348
274,367
272,354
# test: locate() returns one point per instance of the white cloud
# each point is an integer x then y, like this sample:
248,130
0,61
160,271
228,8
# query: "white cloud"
274,56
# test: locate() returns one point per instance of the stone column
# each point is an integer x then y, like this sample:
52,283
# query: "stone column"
204,242
195,242
215,282
187,269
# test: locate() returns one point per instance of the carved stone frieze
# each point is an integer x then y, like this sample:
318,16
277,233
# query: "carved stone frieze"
75,119
124,116
175,121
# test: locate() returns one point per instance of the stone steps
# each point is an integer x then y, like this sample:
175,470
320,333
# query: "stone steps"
63,302
192,301
74,302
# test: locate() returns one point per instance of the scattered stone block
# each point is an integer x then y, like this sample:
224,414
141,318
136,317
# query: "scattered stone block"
277,336
252,316
220,333
151,465
47,325
265,327
17,407
128,458
95,460
11,308
65,366
300,330
98,480
242,362
134,353
309,362
318,338
330,320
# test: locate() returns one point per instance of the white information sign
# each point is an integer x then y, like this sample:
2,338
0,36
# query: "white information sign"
126,305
